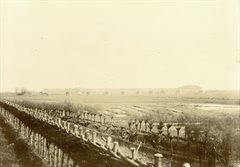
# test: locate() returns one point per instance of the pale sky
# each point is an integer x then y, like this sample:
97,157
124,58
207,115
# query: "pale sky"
120,44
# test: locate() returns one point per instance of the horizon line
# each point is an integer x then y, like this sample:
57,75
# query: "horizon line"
99,88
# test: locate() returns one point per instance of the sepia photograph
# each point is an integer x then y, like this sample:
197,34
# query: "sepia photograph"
119,83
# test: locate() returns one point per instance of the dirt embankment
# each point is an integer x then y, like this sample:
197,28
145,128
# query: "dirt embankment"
14,151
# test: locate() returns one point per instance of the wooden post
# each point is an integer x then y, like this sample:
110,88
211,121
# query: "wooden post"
23,130
72,130
59,122
46,150
56,122
94,137
70,162
158,160
68,126
178,130
59,157
86,116
111,120
50,154
55,156
44,147
115,147
81,132
146,125
104,119
65,125
171,146
44,117
38,143
27,132
86,134
17,123
34,140
100,118
108,142
133,153
76,132
31,138
14,122
20,127
42,143
81,116
90,117
64,157
67,163
10,118
62,125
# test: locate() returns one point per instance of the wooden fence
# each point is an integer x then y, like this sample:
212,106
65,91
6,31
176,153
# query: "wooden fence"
55,156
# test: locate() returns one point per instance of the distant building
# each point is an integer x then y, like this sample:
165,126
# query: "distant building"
183,90
189,89
66,92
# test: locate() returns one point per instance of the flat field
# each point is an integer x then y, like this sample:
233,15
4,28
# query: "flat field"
153,108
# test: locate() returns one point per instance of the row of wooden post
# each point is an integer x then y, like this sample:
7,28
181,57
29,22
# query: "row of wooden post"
83,115
53,155
84,134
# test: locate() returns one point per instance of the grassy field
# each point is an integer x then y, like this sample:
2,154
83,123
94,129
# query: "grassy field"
153,108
